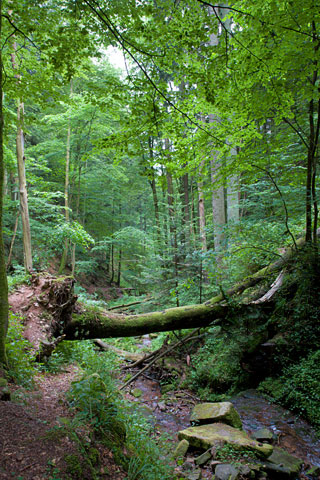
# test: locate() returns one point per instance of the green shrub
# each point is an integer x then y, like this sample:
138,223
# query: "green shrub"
18,277
217,369
299,388
22,367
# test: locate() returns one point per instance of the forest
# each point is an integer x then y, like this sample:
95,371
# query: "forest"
159,258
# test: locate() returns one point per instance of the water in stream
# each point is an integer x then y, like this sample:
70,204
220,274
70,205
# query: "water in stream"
171,413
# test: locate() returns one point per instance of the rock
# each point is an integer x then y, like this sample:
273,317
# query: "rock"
3,382
262,435
245,470
204,458
282,464
181,449
195,475
226,472
223,412
187,466
206,436
136,392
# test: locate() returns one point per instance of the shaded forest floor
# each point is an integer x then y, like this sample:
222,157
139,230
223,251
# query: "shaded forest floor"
40,438
32,443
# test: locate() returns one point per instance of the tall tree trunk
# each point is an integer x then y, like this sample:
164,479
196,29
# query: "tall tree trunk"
218,208
172,226
23,194
4,307
155,199
24,208
202,216
193,217
13,239
119,269
77,212
66,191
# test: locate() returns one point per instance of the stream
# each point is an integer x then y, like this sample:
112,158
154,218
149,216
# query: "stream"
170,413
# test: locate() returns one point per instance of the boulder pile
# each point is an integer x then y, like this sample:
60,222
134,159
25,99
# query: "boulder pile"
227,450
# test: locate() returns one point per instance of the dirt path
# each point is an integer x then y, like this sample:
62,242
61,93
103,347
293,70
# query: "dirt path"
28,451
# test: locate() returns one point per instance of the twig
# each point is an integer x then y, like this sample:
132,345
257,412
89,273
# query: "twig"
282,199
129,304
191,334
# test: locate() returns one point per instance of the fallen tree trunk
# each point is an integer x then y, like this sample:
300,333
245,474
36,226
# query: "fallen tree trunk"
69,318
93,323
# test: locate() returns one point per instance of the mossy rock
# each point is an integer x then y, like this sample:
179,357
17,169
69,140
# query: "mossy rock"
223,412
3,382
281,462
136,392
206,436
181,449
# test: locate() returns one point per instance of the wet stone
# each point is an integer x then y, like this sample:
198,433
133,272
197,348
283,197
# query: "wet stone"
206,436
226,472
263,435
224,412
194,475
181,449
187,466
282,465
204,458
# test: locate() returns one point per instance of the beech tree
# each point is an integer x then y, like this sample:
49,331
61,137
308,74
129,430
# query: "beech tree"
3,276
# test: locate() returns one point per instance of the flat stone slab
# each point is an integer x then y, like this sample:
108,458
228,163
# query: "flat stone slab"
223,412
206,436
263,435
283,463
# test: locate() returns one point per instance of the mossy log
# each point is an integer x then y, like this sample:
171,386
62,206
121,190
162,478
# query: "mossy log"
67,317
93,323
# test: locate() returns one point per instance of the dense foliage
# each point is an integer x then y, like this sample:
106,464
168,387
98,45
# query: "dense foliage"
165,181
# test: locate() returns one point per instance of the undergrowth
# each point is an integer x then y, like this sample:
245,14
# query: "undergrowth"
298,388
21,363
18,277
113,421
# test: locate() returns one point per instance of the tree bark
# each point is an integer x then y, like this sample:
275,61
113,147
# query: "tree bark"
3,277
218,209
66,191
65,317
23,191
173,233
23,194
202,216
